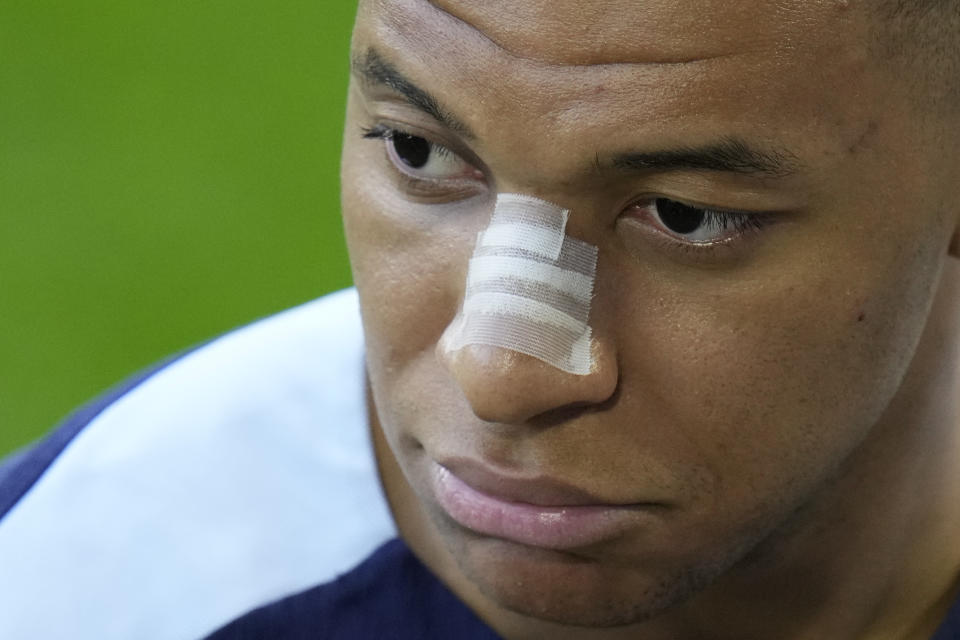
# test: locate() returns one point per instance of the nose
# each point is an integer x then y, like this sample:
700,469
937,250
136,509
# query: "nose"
522,344
505,386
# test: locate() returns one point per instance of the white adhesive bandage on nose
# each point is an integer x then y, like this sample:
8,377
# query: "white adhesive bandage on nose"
529,287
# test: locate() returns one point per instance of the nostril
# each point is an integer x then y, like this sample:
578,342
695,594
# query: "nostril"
569,412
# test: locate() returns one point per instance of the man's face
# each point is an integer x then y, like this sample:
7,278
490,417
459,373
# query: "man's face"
741,356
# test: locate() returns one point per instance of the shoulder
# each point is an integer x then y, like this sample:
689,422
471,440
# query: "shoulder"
206,486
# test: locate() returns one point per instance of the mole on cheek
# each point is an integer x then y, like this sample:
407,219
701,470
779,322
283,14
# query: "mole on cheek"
860,309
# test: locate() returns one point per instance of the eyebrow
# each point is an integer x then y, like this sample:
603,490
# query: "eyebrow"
374,70
731,155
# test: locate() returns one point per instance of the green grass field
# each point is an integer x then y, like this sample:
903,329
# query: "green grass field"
167,171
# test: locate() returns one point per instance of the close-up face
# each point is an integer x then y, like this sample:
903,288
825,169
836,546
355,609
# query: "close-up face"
770,221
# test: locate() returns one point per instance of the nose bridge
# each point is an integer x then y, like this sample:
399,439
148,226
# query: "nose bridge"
524,323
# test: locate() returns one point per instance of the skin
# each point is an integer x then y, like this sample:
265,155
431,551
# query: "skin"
788,395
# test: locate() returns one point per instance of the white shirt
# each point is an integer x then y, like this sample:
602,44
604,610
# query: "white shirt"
237,474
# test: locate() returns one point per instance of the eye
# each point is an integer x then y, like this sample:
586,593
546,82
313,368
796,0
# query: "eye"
695,225
420,158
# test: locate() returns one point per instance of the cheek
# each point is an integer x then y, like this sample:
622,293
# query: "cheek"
774,381
408,261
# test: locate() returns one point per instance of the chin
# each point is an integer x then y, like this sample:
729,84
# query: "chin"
570,589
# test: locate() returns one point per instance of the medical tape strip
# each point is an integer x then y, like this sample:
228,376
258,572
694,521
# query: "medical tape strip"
530,224
529,287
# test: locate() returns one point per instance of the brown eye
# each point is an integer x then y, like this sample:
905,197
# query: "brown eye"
413,151
678,217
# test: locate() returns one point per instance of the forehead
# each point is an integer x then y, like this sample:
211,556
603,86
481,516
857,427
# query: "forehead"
615,73
596,32
643,31
513,44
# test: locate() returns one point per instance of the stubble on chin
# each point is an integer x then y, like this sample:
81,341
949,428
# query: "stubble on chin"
593,594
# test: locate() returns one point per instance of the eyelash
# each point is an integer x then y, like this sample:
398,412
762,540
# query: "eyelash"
377,131
740,221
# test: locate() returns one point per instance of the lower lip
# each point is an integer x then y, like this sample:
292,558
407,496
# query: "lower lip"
534,525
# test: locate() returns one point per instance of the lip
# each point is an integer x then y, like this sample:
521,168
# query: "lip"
539,512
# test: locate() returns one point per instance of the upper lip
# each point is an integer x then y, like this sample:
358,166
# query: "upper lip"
535,490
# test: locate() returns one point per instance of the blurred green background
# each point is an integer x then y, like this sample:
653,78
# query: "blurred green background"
167,171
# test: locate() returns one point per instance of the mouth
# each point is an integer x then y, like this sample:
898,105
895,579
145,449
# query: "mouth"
540,512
